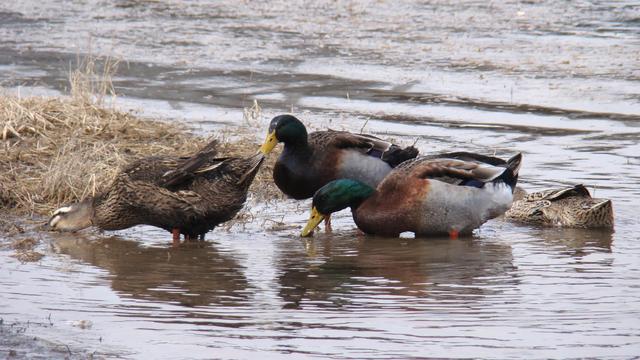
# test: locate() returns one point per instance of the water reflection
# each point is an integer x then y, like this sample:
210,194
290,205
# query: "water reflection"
187,276
344,269
572,242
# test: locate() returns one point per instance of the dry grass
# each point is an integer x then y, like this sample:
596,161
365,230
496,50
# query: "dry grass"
59,150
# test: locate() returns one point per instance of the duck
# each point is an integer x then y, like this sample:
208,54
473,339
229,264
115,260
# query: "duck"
310,160
184,195
428,196
570,206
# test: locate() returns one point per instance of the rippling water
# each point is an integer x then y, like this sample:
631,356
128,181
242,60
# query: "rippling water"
558,82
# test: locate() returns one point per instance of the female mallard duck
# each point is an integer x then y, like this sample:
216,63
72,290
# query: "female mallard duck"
570,207
309,161
425,196
187,196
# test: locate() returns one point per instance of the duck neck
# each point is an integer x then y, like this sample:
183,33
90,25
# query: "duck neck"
110,213
341,194
298,145
100,210
358,201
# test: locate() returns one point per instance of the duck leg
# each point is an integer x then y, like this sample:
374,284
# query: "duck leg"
453,234
176,237
327,224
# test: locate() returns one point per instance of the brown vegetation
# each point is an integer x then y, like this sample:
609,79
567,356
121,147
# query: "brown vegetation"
59,150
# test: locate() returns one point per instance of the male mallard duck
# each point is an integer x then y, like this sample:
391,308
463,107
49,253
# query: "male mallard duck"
570,207
309,161
187,196
425,196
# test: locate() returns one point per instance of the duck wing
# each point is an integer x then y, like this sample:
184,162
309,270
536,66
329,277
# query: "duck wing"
237,171
170,171
460,172
469,156
367,144
513,162
558,194
186,168
457,172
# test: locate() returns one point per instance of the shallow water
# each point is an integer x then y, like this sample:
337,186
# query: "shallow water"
556,82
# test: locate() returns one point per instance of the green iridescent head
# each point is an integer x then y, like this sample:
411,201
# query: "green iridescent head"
335,196
284,128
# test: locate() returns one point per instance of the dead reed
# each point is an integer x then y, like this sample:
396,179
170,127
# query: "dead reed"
59,150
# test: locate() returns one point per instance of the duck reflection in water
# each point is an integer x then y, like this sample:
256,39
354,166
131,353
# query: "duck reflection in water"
188,276
574,242
348,269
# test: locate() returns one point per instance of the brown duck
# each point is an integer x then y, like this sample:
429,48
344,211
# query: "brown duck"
568,207
183,195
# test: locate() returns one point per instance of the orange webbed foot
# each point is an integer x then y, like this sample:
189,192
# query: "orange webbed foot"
327,225
453,234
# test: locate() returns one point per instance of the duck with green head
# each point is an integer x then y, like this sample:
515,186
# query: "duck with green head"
565,207
426,196
311,160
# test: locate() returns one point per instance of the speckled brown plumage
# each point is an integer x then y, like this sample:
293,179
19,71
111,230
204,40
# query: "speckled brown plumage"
192,194
568,207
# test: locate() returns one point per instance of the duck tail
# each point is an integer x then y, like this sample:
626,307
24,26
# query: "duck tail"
510,175
253,165
514,163
600,205
397,155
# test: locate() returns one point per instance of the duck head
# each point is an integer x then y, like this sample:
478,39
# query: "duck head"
335,196
73,217
284,128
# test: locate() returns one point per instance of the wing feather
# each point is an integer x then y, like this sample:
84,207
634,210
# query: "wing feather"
186,169
455,171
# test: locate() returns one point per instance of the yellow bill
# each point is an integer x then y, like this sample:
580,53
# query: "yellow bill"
314,220
269,143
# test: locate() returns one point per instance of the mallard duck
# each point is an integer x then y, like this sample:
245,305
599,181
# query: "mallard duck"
187,196
309,161
425,196
569,207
